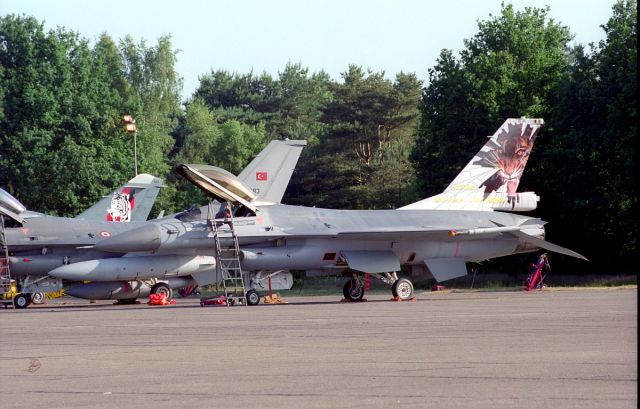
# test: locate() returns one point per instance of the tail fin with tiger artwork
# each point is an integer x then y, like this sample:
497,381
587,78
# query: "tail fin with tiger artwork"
490,180
131,202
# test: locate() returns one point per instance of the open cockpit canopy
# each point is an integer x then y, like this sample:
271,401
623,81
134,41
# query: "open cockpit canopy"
10,206
218,184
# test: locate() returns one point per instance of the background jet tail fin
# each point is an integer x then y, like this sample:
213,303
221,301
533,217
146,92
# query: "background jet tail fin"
131,202
490,180
269,173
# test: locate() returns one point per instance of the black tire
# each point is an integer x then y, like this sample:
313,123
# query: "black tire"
37,298
402,288
162,288
21,301
253,298
352,291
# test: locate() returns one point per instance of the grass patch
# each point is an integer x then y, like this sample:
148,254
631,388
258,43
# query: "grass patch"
315,286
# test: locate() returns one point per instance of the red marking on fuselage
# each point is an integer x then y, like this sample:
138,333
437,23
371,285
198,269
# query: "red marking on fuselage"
126,286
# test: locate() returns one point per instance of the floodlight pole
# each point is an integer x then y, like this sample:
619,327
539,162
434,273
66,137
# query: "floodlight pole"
130,127
135,153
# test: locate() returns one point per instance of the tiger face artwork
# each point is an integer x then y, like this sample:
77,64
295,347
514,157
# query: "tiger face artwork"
122,204
508,155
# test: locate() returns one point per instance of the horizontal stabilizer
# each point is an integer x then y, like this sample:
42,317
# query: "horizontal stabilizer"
444,269
372,261
543,244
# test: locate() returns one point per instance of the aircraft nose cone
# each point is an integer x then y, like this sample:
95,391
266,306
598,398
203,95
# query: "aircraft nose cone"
145,238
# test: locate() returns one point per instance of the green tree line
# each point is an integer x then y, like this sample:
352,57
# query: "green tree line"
374,142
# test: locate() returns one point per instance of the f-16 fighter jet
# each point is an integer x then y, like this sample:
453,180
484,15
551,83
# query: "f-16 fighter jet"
435,237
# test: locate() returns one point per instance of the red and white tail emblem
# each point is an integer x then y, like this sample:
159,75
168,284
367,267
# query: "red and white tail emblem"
261,176
122,203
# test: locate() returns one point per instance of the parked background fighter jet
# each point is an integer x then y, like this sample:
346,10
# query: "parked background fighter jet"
45,243
39,243
437,243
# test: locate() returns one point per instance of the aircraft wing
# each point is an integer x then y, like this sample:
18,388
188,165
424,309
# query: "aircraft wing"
459,234
392,234
428,233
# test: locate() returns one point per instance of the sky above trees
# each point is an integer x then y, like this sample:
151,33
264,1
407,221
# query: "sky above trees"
374,141
241,36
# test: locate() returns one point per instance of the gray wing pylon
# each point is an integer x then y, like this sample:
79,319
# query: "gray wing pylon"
372,261
444,269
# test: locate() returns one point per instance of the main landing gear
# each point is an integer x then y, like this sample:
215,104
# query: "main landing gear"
353,290
401,288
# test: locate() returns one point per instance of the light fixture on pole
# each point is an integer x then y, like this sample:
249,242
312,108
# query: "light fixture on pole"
130,127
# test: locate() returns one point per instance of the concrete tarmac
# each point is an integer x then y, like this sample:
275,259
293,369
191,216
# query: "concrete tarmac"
545,349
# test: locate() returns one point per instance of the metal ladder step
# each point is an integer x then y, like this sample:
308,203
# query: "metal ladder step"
228,259
7,292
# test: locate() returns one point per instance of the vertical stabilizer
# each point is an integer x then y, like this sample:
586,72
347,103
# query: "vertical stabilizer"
131,202
490,180
269,173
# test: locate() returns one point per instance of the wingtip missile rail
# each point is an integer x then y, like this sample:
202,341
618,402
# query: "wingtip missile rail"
485,230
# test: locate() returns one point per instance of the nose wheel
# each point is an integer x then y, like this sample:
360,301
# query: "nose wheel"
402,289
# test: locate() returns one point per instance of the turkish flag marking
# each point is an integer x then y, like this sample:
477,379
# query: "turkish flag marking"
261,175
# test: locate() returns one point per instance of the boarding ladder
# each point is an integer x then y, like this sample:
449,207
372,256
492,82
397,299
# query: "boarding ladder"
7,286
228,259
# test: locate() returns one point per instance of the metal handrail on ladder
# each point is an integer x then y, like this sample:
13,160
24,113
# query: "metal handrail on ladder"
7,290
228,260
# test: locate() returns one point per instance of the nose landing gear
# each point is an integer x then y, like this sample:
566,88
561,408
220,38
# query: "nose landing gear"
402,289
